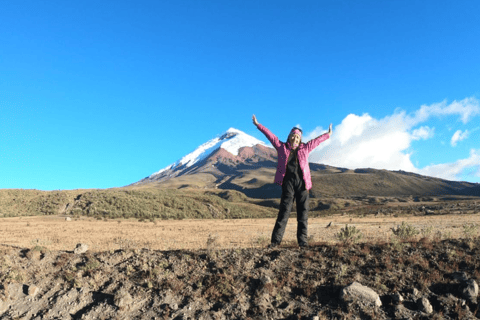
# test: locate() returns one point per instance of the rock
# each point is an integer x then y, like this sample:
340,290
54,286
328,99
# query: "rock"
68,219
361,293
265,279
424,305
397,298
33,290
470,293
80,248
33,255
416,293
122,299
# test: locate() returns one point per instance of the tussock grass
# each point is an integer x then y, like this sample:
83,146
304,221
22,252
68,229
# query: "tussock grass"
20,202
163,204
145,203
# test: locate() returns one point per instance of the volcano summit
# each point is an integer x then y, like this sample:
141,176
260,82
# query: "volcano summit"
230,149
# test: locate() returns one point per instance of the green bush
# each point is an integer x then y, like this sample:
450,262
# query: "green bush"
349,234
405,231
470,230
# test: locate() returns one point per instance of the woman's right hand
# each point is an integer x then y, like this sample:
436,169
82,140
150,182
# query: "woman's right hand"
255,122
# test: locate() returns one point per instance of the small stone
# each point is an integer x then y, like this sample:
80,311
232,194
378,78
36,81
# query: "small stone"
122,299
80,248
358,292
265,280
68,219
416,293
34,255
470,293
424,305
33,290
397,297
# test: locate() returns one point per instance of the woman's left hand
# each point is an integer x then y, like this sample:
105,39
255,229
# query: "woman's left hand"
255,122
330,129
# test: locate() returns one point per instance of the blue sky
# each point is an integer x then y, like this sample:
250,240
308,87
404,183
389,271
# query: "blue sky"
99,94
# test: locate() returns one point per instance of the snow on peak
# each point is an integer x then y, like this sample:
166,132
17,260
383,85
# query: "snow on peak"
231,140
236,139
233,130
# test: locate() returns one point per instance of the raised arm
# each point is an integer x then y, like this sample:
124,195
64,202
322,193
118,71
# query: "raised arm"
270,136
312,144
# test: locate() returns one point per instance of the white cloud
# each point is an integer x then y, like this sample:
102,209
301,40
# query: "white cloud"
466,109
423,133
459,136
362,141
315,133
366,142
452,171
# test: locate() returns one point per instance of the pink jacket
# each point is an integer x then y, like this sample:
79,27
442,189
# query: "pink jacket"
283,150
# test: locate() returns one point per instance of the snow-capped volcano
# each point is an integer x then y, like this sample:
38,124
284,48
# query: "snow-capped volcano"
232,144
237,161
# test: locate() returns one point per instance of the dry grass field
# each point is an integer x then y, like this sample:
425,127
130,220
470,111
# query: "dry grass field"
221,268
55,233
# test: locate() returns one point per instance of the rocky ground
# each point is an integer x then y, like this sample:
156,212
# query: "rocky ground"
421,279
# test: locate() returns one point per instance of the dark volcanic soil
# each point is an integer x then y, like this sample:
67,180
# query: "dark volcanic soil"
280,283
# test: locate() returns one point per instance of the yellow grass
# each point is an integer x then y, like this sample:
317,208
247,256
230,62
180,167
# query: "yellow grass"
55,233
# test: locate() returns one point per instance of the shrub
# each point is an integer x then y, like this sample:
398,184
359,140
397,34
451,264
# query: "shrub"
470,230
426,232
262,241
349,234
405,231
212,242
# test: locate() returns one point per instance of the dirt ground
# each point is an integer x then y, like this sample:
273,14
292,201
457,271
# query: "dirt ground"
399,280
55,233
221,269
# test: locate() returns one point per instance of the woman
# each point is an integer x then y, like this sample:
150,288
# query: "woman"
293,174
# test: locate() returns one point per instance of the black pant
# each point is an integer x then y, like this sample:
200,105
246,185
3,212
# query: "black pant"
292,188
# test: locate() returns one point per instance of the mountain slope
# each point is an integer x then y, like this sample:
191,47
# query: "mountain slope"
230,148
237,161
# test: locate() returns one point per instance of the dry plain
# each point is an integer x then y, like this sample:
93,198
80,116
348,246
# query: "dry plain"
55,233
167,268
